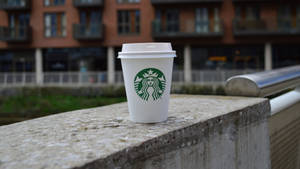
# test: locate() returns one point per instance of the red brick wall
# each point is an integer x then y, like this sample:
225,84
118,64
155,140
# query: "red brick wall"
110,21
109,13
227,15
3,22
147,11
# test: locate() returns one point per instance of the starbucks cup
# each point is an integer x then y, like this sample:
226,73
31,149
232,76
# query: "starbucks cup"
147,71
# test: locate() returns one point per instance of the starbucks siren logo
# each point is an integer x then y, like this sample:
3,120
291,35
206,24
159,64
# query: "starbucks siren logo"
150,82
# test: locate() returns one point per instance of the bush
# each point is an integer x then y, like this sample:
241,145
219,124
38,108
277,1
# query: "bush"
193,89
220,90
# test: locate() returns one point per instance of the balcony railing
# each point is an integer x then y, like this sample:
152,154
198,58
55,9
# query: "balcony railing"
252,0
187,29
266,27
88,32
13,34
87,3
15,4
159,2
205,77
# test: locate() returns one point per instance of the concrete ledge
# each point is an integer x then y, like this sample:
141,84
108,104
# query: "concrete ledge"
201,132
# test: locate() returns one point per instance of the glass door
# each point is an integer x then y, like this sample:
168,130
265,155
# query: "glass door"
172,20
202,21
217,23
284,17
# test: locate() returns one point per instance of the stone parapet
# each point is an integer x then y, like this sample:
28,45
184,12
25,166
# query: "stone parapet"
206,132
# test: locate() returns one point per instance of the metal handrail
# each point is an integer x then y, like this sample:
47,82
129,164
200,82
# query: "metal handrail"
264,83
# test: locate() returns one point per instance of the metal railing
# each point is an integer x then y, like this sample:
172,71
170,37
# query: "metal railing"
264,83
88,32
267,83
15,4
279,26
98,78
188,29
213,76
87,3
16,34
284,120
74,78
161,2
21,79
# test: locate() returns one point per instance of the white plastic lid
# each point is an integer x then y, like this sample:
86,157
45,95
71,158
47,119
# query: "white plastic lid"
146,50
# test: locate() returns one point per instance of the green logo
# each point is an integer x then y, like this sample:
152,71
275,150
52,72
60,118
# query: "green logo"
150,82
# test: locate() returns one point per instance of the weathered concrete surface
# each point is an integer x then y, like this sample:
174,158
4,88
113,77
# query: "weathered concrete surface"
202,132
284,129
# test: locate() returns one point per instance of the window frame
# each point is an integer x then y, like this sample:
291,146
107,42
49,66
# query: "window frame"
173,23
60,3
124,25
63,25
128,1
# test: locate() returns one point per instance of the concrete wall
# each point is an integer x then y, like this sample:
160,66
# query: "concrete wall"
206,132
285,138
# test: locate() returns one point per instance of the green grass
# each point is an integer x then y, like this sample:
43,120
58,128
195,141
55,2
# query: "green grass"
18,108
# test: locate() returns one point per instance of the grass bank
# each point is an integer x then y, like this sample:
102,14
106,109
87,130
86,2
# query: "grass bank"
19,108
22,103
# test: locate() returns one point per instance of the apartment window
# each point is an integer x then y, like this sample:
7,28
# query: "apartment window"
157,21
284,17
128,1
90,21
55,25
90,17
252,13
16,2
298,12
217,22
172,20
18,24
238,13
248,12
54,2
284,12
128,22
202,22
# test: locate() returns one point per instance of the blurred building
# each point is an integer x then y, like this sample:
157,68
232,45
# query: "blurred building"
86,35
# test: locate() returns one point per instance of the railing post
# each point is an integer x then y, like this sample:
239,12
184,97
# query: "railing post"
79,78
268,56
23,78
5,79
181,77
99,74
223,76
39,66
111,65
61,78
201,76
14,78
187,64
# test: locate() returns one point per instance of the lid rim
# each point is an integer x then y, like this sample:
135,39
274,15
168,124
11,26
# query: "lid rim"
148,52
152,47
148,56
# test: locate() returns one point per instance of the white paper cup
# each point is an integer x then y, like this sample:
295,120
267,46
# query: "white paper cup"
147,71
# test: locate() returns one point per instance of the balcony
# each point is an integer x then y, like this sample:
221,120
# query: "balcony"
88,32
187,29
87,3
160,2
251,0
21,34
15,4
266,27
